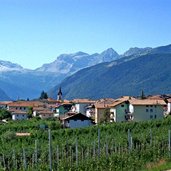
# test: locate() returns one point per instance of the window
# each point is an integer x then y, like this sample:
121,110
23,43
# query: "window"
146,110
146,105
151,110
155,116
151,116
122,105
155,106
151,105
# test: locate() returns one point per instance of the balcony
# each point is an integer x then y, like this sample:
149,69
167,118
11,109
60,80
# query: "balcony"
129,117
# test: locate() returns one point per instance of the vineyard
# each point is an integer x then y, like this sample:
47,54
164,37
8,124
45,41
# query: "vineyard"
115,146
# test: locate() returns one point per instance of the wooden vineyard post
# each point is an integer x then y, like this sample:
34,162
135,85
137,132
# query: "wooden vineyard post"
106,149
24,159
35,156
76,151
3,156
70,156
119,148
33,160
151,137
129,140
94,149
50,150
57,155
169,145
82,155
99,142
14,159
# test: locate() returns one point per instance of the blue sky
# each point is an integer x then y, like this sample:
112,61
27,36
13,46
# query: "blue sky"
34,32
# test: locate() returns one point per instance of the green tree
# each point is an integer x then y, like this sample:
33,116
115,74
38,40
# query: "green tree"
30,112
142,95
43,95
4,114
106,115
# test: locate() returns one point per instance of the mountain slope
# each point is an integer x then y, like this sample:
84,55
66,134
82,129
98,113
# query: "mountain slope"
25,85
3,96
149,73
162,49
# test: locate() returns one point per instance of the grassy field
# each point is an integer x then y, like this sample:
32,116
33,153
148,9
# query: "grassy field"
161,165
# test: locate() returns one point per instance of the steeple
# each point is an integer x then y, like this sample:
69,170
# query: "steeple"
59,96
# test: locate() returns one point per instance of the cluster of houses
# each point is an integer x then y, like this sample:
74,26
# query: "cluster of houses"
85,112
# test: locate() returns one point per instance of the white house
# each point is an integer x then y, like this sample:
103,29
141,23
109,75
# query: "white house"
119,110
90,111
101,106
80,105
19,115
147,109
23,105
76,121
4,104
168,109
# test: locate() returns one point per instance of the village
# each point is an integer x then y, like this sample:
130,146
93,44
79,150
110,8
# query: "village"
78,113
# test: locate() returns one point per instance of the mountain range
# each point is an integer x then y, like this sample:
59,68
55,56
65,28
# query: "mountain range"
71,63
20,83
139,69
97,75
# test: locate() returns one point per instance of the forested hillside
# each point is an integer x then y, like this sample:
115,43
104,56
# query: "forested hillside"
113,79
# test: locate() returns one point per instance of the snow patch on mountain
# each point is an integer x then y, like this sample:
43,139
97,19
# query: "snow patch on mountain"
70,63
6,66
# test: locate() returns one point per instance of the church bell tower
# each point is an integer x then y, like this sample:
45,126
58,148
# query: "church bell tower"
59,95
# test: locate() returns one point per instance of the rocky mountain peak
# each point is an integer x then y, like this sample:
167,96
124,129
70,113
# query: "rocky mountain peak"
109,55
135,51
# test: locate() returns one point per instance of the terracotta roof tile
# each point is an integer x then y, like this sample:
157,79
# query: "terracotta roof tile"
82,101
25,104
121,100
38,108
147,102
5,102
155,97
